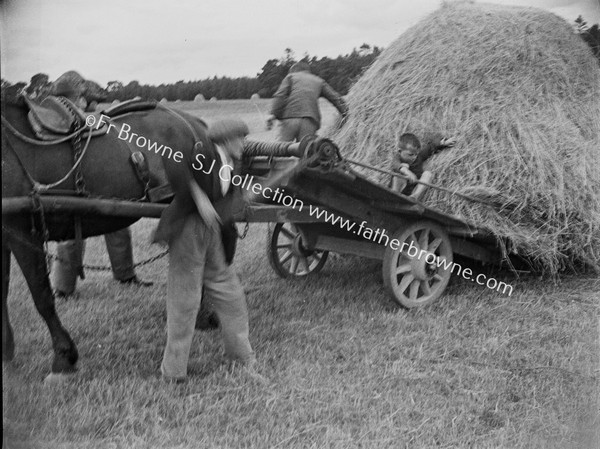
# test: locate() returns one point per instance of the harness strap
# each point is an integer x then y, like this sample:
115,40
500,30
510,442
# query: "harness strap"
138,161
38,187
180,117
27,139
79,247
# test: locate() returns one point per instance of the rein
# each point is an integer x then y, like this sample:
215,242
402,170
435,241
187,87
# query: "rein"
181,118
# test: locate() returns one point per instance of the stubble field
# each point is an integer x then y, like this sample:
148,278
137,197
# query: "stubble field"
345,367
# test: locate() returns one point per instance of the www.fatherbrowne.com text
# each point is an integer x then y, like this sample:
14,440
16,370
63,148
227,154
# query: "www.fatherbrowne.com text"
279,196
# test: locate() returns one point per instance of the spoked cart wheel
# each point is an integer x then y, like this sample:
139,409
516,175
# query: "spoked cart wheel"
416,275
287,254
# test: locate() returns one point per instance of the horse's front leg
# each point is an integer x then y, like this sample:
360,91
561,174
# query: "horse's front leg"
30,256
8,341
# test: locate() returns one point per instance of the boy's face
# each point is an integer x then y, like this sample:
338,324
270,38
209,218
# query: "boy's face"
408,153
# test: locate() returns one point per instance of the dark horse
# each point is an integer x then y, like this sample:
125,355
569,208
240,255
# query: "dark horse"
105,172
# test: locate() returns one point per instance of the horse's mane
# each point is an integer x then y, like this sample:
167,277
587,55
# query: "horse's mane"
12,100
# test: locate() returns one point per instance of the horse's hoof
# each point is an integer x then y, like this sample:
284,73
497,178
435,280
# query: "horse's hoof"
57,379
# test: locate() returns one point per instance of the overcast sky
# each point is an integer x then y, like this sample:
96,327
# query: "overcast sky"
148,41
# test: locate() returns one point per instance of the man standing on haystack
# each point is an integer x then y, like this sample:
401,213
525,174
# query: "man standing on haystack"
296,103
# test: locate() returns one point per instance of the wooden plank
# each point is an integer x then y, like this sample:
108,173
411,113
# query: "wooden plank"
472,250
91,206
362,248
267,213
402,208
357,185
380,197
342,203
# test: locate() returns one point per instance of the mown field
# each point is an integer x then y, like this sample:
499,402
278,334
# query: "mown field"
345,367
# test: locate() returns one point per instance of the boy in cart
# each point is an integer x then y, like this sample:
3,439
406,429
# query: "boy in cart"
409,159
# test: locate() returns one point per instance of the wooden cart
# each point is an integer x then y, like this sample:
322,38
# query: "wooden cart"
358,217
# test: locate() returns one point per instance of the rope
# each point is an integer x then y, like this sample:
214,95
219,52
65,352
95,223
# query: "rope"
180,117
433,186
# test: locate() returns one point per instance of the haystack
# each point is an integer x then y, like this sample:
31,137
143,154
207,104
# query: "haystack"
199,98
163,100
255,96
213,99
521,93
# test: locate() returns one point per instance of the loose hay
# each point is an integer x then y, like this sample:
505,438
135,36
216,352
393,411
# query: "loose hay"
521,93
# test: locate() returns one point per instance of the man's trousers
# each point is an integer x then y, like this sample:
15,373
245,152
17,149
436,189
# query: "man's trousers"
292,129
197,258
120,253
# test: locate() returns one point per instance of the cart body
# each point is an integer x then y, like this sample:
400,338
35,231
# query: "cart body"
337,209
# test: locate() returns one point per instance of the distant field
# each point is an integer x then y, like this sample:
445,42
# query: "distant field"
346,367
253,112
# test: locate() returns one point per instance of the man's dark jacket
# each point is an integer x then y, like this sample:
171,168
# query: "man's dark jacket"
179,174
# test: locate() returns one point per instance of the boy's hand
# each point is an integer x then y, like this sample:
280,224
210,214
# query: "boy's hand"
448,142
412,178
270,120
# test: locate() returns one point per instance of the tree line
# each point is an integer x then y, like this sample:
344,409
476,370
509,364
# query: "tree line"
340,72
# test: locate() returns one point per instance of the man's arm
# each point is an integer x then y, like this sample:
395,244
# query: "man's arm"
334,98
280,98
434,143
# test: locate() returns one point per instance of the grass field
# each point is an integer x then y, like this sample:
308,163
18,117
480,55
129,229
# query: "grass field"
346,367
